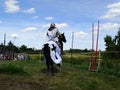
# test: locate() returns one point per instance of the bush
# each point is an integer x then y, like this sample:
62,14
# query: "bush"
111,66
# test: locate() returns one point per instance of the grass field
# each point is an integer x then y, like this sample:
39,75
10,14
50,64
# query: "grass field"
31,75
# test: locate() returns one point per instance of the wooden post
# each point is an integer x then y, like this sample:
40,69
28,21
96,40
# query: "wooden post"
4,45
72,47
99,61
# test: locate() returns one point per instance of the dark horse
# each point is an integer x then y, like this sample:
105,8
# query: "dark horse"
46,52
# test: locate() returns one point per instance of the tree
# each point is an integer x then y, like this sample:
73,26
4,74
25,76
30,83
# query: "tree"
10,46
110,45
113,45
117,40
1,48
23,48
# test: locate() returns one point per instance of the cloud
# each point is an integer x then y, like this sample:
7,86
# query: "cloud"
62,25
46,25
49,18
114,11
0,21
109,26
14,35
30,10
80,34
35,17
11,6
115,5
29,29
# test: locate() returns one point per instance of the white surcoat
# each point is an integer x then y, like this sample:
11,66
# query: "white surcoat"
52,35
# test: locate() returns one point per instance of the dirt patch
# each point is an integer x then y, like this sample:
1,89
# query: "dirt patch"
20,83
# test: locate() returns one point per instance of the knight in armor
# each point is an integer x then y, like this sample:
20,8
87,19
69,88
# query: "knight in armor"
53,33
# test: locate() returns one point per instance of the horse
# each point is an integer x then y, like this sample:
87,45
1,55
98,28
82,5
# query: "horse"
46,53
61,39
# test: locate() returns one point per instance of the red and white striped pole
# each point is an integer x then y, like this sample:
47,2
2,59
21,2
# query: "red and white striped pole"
95,61
92,40
97,40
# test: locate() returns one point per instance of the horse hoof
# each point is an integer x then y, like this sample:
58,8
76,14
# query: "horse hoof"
53,74
60,69
47,73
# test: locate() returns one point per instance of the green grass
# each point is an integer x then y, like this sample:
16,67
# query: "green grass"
12,69
30,75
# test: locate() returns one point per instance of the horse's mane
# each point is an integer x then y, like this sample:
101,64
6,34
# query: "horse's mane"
62,39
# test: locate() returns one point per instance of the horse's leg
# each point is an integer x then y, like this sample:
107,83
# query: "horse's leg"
61,48
48,67
59,67
52,69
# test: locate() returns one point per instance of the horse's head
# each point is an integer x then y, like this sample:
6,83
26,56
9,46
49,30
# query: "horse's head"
62,38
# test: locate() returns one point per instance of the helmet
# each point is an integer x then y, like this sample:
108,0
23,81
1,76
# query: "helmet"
52,25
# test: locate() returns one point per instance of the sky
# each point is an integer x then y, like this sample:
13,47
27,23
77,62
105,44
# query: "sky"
26,22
